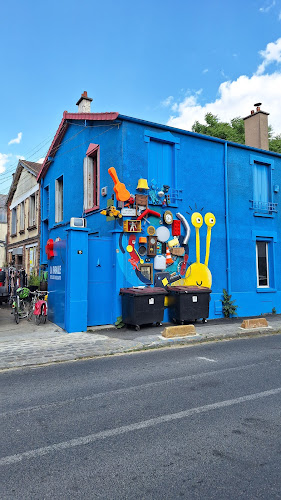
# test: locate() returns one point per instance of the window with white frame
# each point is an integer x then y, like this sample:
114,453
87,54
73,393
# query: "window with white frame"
14,221
22,216
262,264
59,200
91,179
32,211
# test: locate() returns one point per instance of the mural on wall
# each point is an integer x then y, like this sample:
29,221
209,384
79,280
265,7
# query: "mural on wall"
199,274
156,240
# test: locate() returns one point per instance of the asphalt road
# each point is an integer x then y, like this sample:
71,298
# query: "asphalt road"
200,422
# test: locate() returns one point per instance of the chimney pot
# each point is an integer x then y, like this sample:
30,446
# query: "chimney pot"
84,103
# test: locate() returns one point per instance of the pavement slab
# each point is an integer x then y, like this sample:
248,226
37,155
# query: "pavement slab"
27,344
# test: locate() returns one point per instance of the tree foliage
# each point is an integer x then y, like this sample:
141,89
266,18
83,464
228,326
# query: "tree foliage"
233,131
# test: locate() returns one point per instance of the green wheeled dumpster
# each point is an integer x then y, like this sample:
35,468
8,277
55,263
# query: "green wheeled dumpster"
141,306
188,303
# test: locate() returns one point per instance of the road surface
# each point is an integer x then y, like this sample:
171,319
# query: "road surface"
193,422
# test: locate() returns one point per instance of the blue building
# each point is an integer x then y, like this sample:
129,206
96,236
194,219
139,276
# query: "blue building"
199,189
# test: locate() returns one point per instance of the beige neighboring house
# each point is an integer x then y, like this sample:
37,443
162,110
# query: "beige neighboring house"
3,229
23,217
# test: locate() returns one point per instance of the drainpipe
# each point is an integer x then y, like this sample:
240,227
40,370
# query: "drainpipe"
228,269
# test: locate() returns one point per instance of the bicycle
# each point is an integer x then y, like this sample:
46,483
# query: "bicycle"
20,304
39,307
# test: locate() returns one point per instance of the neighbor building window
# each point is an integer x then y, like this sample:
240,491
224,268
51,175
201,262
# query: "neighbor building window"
22,216
91,178
32,211
14,221
46,203
59,200
262,264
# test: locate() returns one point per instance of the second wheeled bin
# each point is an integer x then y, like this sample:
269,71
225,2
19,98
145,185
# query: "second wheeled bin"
188,303
141,306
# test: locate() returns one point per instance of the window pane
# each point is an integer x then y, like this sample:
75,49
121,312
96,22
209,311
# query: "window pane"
261,183
262,264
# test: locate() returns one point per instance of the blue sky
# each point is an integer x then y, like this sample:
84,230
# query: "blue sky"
168,62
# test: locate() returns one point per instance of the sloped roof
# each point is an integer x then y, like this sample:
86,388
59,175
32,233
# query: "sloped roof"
108,116
32,167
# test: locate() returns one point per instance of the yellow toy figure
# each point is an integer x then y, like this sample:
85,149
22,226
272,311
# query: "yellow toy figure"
199,274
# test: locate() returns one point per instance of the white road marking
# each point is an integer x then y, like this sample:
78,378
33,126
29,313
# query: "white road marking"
133,388
81,441
207,359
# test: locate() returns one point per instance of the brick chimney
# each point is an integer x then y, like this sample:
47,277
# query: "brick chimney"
256,128
84,103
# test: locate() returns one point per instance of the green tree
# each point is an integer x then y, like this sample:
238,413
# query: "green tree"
233,131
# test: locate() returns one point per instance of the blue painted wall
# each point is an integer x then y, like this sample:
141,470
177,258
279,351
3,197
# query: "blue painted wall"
200,173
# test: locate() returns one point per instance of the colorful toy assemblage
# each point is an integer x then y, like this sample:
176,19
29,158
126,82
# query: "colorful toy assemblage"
111,211
142,184
176,227
132,226
122,193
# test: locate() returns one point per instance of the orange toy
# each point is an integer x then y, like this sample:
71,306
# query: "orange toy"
169,259
122,193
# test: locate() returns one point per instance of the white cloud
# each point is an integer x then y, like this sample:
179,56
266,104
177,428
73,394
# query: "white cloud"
235,98
205,71
271,54
16,140
4,158
20,157
41,160
266,8
167,102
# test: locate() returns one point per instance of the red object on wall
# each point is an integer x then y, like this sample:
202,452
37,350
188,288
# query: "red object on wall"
176,228
49,249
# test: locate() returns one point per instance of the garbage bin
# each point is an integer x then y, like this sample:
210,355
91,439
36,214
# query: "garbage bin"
188,303
142,306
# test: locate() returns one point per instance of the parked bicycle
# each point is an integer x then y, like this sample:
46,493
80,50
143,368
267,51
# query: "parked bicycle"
21,304
39,306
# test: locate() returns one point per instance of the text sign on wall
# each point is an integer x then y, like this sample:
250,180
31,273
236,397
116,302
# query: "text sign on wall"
55,272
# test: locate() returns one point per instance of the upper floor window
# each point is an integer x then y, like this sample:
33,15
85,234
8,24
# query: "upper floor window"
59,200
46,203
162,158
32,210
14,221
262,201
22,216
91,178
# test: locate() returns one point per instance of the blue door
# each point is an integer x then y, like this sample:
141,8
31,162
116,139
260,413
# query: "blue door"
101,282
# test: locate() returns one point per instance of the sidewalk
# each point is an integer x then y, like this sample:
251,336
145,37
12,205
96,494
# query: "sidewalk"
27,344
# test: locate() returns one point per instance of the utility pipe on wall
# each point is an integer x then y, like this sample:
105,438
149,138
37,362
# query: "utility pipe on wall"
228,268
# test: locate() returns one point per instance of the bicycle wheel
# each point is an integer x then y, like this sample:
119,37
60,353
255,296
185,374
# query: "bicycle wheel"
38,319
16,316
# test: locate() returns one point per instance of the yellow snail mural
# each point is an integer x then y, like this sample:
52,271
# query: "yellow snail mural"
199,274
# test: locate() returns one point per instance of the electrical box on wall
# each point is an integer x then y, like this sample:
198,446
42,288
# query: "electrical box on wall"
77,222
104,191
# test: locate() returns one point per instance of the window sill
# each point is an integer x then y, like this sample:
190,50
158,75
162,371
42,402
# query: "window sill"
88,211
266,290
30,228
22,231
13,235
268,216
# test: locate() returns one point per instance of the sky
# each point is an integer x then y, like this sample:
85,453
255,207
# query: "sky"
164,61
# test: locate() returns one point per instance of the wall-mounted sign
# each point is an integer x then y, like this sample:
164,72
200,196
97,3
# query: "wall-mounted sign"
129,212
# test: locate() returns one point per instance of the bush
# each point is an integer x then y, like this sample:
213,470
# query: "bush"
228,306
34,279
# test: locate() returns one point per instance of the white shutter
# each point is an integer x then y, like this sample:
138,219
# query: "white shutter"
88,183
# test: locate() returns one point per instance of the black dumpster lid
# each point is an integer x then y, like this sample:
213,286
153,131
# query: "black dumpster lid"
189,289
143,291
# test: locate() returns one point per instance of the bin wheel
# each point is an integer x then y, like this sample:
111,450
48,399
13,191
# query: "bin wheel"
158,323
204,320
137,328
